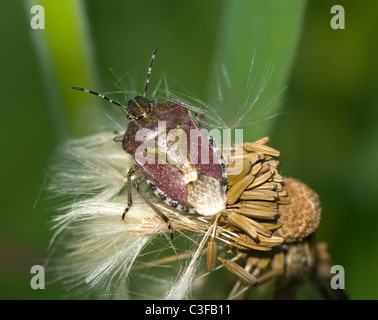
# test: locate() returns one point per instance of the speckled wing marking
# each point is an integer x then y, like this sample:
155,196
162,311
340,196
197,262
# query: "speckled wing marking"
206,195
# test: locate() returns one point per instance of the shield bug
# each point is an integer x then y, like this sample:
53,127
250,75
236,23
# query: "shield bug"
186,171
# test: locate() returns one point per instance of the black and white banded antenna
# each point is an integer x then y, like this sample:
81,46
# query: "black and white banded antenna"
149,70
115,102
99,95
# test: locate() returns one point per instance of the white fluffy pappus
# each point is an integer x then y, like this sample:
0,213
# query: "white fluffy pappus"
96,253
227,110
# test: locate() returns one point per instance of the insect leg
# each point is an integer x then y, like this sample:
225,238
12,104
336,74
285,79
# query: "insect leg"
118,138
129,197
157,211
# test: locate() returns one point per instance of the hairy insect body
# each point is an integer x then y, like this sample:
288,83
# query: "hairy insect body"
181,164
180,172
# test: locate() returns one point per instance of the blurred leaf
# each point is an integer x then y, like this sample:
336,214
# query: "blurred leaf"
256,48
65,56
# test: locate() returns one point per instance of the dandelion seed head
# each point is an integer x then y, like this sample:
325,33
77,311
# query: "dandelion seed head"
102,255
99,255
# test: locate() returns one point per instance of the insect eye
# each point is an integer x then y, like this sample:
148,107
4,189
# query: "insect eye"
138,107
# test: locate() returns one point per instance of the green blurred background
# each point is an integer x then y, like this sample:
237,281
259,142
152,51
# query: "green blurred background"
327,131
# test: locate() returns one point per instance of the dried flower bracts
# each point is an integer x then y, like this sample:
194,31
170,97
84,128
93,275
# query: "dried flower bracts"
273,219
263,234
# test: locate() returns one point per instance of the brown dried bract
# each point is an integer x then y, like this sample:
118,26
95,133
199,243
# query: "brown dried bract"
266,231
269,221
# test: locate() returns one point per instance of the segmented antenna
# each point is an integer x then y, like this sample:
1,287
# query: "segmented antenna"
114,102
99,95
149,71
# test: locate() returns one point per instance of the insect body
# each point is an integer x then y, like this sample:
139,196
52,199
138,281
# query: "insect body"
186,172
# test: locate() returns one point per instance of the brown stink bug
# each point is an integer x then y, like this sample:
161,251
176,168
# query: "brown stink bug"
187,172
